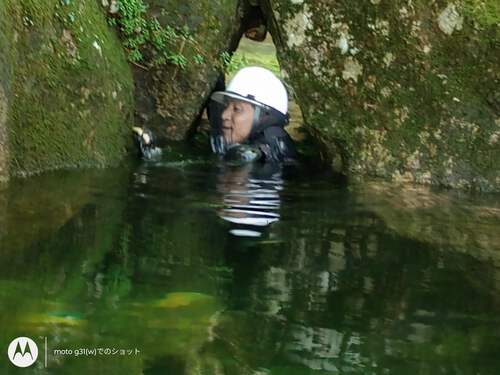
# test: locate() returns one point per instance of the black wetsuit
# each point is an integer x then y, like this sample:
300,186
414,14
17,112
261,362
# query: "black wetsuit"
274,143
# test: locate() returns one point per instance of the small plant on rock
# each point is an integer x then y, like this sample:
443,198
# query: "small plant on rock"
144,35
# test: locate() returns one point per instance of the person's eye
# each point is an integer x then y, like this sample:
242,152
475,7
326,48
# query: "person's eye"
238,108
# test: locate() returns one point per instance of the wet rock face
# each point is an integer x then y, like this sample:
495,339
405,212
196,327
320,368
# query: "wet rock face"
405,90
3,136
66,87
169,98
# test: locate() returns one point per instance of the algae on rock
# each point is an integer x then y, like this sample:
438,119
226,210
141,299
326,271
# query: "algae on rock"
67,87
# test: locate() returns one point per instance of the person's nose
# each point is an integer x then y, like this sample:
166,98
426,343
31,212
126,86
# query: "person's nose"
226,114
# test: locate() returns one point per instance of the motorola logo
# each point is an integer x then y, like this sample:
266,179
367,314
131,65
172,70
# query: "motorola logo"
22,352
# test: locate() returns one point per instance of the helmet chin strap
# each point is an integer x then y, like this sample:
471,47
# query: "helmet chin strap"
256,117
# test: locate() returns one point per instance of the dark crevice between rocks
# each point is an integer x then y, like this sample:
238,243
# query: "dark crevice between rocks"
252,26
180,65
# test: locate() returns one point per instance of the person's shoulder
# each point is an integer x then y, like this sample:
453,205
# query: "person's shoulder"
278,145
275,132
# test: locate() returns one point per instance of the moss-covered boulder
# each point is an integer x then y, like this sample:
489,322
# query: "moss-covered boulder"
65,87
5,79
406,90
176,49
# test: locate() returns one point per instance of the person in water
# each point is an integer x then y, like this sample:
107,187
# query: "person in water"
247,120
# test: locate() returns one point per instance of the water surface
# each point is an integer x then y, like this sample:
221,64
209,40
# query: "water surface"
198,268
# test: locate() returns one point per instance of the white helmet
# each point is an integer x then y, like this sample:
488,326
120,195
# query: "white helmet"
258,86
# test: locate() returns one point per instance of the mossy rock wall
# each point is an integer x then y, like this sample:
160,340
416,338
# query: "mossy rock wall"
5,79
65,89
405,90
170,98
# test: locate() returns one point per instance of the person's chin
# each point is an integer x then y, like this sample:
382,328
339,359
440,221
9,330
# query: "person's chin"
228,138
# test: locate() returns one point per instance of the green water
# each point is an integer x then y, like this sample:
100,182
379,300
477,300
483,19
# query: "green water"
162,265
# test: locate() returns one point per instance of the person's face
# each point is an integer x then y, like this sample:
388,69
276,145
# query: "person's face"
237,120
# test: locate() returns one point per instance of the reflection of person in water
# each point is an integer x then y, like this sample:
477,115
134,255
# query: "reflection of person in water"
248,118
251,197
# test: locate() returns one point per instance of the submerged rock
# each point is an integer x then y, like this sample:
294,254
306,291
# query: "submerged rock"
183,299
403,90
444,219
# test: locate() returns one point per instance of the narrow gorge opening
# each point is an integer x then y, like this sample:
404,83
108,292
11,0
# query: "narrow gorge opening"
263,53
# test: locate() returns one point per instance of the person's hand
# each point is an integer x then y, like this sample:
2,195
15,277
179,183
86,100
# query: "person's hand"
145,141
